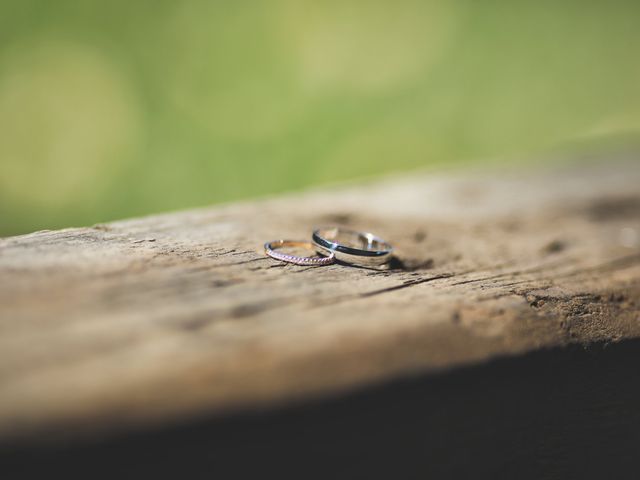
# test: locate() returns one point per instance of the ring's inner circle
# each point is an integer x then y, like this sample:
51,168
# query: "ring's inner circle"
352,239
299,249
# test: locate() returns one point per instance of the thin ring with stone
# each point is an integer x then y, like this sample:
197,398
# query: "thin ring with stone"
350,246
271,249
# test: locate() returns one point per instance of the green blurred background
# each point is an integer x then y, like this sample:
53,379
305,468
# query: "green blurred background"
121,108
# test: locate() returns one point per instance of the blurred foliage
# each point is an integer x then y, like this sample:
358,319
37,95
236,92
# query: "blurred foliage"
120,108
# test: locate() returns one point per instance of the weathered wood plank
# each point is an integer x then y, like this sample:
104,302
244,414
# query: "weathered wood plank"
165,317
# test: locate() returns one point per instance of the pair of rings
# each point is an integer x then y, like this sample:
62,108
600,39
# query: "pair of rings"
335,244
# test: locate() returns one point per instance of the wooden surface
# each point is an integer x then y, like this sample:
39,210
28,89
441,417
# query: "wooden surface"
163,318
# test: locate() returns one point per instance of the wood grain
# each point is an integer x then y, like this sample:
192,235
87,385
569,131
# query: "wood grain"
150,320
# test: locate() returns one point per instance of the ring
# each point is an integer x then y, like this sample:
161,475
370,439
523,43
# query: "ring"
271,247
349,246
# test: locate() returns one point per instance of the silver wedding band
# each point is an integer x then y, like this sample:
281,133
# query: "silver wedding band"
270,248
350,246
